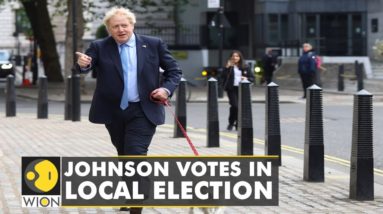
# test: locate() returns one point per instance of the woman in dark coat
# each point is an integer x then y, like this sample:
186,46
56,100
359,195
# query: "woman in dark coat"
236,71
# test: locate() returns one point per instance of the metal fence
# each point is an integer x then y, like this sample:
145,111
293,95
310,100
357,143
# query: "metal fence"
185,35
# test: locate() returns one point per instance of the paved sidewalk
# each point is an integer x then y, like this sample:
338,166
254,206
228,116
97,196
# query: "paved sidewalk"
25,135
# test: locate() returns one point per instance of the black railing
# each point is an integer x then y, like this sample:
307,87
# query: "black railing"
324,46
290,47
182,36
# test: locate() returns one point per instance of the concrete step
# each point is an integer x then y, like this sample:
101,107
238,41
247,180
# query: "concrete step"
378,76
377,69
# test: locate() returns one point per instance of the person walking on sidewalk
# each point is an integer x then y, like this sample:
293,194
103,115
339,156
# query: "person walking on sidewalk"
128,83
235,71
307,67
269,62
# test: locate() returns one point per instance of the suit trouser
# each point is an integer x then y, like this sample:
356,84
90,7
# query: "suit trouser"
268,76
130,131
308,79
233,101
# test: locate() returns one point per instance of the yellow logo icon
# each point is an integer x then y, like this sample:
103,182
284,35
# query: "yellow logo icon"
41,175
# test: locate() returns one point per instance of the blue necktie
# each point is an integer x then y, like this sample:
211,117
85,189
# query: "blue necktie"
124,54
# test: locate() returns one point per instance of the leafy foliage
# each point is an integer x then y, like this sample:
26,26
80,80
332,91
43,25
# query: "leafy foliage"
378,50
101,32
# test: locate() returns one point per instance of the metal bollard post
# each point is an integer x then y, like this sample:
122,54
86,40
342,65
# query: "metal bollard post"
180,108
341,78
245,120
362,159
42,101
314,147
212,114
68,99
10,103
360,77
76,97
272,122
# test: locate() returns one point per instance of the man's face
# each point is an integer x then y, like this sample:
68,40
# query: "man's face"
120,28
306,48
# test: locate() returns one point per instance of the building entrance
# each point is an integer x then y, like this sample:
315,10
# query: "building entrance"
336,34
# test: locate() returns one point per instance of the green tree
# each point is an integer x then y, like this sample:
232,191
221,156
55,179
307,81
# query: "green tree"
38,15
378,50
101,32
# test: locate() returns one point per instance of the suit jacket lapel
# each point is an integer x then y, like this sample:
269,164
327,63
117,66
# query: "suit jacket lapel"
112,49
140,48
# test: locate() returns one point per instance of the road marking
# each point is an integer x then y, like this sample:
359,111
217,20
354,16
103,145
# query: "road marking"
329,158
338,177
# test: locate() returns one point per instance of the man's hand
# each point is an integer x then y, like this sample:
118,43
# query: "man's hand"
159,94
83,60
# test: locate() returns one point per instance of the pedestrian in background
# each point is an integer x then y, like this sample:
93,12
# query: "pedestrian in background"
269,61
235,71
307,67
128,83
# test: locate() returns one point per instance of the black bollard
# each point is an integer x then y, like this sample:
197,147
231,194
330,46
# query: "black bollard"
314,147
356,63
68,99
212,114
272,122
341,78
42,101
76,96
362,160
245,120
360,76
180,108
10,103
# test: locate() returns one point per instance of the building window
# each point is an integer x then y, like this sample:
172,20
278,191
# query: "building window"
374,25
311,26
273,28
277,28
284,27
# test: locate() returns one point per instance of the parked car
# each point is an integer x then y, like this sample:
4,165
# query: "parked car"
6,66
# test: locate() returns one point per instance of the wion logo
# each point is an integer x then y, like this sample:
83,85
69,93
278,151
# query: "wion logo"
40,182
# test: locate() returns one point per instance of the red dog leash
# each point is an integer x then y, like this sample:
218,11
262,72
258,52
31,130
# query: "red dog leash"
167,104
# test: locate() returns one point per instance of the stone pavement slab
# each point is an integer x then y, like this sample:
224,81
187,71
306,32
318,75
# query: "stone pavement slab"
25,135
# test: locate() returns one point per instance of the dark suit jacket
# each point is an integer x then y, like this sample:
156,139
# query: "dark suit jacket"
228,76
152,54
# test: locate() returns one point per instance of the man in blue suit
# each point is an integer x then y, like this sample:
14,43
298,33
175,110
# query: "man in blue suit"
128,80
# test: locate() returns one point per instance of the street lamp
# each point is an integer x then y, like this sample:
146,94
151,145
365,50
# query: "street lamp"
219,22
76,105
220,50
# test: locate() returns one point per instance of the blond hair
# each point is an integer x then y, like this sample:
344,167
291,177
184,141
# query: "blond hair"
308,45
119,11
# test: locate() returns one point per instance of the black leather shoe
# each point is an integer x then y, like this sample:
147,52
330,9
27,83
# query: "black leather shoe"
229,127
136,210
